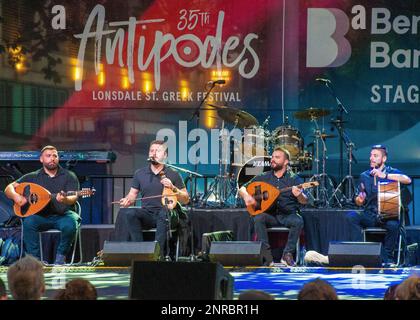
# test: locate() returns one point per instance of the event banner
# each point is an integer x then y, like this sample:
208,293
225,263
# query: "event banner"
361,59
116,75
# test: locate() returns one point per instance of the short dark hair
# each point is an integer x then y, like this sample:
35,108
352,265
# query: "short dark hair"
380,147
390,292
255,295
49,147
317,289
77,289
284,150
409,289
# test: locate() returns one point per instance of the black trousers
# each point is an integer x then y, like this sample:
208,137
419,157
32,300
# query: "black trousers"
292,221
131,222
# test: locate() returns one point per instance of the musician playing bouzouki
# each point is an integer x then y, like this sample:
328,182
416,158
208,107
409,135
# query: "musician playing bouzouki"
58,213
367,197
150,181
285,210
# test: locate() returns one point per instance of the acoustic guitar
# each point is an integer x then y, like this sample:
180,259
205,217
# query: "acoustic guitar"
265,195
38,197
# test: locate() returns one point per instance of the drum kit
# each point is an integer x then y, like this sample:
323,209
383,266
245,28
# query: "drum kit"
255,147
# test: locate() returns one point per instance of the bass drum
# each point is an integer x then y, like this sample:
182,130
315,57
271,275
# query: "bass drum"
290,139
253,167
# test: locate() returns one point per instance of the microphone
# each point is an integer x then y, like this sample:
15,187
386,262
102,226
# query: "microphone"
152,160
217,82
323,80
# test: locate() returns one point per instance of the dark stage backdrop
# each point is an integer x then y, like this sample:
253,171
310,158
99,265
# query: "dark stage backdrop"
113,75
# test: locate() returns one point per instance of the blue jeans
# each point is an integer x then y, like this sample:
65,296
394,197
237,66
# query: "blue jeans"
368,219
67,224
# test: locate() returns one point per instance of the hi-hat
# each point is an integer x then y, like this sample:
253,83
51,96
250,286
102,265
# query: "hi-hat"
239,118
311,113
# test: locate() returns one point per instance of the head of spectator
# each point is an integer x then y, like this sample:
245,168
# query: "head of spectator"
26,279
77,289
409,289
255,295
3,293
317,290
390,292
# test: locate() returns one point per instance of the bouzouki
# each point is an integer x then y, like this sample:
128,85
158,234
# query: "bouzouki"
265,195
38,197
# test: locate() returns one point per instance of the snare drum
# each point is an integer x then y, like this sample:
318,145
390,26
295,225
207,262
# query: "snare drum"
290,139
253,167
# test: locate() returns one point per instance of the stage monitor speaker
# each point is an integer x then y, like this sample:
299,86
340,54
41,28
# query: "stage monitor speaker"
349,254
237,253
123,253
180,281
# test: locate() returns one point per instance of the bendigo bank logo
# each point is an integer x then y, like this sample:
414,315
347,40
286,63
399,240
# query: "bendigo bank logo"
326,45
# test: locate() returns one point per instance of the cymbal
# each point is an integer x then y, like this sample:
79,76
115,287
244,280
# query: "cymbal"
311,113
324,136
235,116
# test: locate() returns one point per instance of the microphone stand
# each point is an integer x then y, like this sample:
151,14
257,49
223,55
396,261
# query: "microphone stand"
190,177
196,114
339,125
194,199
348,183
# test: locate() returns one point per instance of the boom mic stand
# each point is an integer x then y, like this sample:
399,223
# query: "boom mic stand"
196,114
339,124
190,177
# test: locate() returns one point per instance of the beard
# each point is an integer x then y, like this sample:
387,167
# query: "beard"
277,167
51,166
375,165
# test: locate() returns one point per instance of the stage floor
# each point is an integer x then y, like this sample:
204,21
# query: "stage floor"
113,283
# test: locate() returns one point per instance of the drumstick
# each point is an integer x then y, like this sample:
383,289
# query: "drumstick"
374,177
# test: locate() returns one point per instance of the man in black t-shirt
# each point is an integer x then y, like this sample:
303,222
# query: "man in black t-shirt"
285,209
149,183
58,213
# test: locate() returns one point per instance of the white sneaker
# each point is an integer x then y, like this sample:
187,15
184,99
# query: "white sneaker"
315,257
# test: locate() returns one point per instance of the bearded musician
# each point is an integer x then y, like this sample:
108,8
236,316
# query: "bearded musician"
285,211
368,198
149,182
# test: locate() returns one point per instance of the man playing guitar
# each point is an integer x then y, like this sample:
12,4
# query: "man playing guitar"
285,209
57,214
